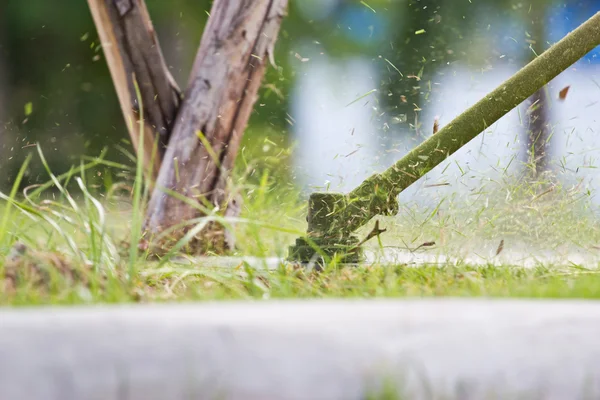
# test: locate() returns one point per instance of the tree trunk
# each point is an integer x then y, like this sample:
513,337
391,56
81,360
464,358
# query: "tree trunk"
133,56
203,135
538,132
236,44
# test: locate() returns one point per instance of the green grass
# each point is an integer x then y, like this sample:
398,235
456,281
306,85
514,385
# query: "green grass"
203,283
77,238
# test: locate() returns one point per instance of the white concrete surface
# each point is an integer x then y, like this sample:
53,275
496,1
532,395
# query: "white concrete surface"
497,152
574,146
337,142
569,257
463,349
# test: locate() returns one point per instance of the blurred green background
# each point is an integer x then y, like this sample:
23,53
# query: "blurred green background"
51,63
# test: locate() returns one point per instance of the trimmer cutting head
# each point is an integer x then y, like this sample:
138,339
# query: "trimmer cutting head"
327,236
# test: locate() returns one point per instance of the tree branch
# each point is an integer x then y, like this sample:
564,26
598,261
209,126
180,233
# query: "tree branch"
132,52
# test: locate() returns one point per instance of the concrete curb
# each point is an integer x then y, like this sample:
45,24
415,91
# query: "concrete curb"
515,259
446,348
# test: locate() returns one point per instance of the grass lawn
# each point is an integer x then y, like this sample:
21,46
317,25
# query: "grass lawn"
173,283
74,245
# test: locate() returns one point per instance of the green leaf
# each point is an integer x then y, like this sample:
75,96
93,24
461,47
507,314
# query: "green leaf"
28,109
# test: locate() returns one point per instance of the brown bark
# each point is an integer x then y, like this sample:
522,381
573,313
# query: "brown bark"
133,55
223,87
538,132
227,73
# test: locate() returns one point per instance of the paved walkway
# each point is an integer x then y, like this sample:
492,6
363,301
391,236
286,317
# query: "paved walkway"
572,257
463,349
